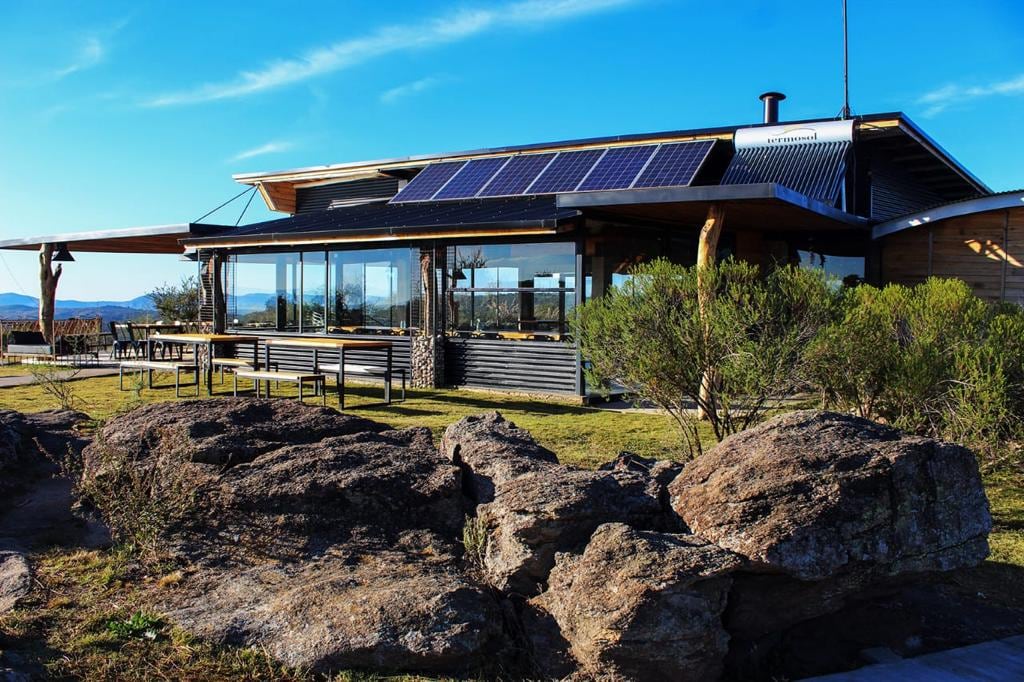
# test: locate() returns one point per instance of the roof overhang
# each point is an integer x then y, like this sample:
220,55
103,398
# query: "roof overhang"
380,234
147,239
764,206
992,202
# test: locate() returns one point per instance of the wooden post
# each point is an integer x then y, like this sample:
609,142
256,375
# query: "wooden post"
47,290
707,247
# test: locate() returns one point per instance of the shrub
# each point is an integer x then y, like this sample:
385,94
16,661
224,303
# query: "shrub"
177,302
55,381
932,359
723,340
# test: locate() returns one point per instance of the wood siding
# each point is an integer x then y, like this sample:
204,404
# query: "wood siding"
986,250
528,366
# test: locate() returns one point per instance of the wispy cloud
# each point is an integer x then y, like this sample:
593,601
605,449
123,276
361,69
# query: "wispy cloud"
940,99
262,150
442,30
406,89
89,55
92,50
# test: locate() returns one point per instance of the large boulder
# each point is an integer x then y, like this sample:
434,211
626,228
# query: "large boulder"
381,610
815,494
536,515
329,540
641,605
492,450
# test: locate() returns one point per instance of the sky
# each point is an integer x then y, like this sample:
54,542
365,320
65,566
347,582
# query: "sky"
116,114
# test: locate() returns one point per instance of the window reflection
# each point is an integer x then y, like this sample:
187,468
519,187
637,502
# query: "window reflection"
262,291
511,290
369,289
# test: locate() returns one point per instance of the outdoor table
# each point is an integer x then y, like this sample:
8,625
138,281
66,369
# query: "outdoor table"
150,328
210,342
319,343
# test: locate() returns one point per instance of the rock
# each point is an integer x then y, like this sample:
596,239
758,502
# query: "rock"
642,605
491,451
226,431
35,445
813,494
556,510
329,540
383,611
15,579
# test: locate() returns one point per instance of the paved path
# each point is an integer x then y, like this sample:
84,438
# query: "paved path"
998,660
84,373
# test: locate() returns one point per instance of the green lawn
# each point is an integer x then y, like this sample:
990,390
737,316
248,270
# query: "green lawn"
67,622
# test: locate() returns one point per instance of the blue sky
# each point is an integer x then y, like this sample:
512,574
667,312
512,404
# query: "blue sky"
137,113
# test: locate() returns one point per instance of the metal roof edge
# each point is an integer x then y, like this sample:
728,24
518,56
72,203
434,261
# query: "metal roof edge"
991,202
751,192
926,140
121,233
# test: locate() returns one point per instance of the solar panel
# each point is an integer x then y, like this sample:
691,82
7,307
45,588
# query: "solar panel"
428,181
675,164
565,172
473,176
517,175
618,168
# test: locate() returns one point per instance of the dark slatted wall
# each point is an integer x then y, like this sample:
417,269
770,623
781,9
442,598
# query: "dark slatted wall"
301,359
207,306
321,196
529,366
895,193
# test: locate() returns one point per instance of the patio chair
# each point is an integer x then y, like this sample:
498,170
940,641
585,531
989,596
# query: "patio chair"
124,341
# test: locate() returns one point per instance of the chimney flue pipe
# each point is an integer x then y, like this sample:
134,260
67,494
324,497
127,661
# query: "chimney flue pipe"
771,106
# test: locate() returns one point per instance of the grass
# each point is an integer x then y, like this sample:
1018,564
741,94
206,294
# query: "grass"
87,618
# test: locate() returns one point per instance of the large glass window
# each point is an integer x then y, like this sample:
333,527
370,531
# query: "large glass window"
513,290
314,287
846,269
263,291
369,289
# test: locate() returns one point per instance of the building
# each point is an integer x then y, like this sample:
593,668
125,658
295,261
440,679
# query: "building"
477,258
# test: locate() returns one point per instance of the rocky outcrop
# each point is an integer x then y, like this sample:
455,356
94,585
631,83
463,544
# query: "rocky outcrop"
34,445
814,494
329,540
642,605
492,450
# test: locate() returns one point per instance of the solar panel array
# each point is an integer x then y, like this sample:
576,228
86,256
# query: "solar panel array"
672,164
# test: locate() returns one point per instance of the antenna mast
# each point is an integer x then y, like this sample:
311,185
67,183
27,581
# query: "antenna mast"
845,113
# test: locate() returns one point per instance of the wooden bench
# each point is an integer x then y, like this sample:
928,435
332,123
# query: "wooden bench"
150,366
365,370
268,375
234,363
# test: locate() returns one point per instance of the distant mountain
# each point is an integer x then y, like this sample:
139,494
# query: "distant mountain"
109,313
138,303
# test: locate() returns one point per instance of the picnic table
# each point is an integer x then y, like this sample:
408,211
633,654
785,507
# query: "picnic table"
317,344
209,341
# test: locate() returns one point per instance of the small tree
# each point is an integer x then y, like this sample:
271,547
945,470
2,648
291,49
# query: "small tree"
178,301
661,335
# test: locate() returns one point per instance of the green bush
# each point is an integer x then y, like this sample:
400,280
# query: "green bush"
725,341
932,359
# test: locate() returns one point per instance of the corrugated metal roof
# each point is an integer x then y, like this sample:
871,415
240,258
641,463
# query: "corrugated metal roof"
814,169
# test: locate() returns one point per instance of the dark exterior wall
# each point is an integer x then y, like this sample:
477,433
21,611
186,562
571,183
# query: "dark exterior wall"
527,366
320,197
986,250
301,359
895,192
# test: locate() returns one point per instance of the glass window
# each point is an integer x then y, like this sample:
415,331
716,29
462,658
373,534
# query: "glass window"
262,291
845,269
511,289
314,282
369,289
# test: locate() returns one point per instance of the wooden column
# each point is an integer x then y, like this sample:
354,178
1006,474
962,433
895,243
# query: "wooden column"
48,279
707,247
